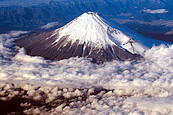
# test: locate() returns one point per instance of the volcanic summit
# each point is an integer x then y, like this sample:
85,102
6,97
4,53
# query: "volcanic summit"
89,35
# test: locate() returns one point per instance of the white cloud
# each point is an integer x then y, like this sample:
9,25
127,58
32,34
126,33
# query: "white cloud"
21,56
151,77
157,11
49,25
158,105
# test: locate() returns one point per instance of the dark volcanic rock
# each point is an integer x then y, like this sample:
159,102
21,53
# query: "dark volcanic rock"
38,45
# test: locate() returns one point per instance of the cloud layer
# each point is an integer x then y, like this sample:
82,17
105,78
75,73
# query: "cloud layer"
151,78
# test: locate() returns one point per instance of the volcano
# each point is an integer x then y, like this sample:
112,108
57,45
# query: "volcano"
89,35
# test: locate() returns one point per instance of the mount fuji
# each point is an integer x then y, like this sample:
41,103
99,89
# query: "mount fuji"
88,36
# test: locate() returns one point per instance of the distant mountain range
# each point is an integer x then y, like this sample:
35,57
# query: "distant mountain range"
140,3
25,3
148,17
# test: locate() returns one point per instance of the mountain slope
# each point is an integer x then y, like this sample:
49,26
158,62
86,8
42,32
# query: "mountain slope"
86,36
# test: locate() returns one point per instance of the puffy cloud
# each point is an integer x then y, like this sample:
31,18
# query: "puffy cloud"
156,105
157,11
76,77
21,56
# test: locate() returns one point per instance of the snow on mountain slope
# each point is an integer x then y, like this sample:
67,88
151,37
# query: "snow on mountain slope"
91,28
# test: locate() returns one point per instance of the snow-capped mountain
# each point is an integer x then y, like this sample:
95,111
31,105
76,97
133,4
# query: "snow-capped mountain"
89,36
90,28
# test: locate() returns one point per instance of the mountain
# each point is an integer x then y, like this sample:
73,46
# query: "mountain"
19,17
89,36
52,11
135,14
